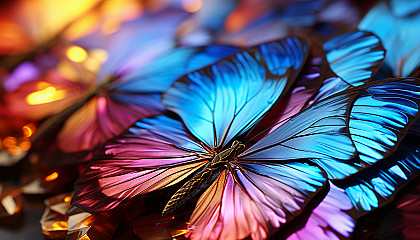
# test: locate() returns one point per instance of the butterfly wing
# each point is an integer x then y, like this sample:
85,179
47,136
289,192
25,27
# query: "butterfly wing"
330,220
227,98
354,56
377,185
253,199
154,153
381,117
320,132
399,36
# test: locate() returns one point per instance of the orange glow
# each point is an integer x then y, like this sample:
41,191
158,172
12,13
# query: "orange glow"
67,199
42,85
25,145
60,225
52,177
46,95
14,150
235,22
110,26
192,5
9,142
76,54
28,129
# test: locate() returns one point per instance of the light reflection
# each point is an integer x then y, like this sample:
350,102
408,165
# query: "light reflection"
28,129
76,54
51,177
67,199
192,5
110,26
25,145
9,142
46,95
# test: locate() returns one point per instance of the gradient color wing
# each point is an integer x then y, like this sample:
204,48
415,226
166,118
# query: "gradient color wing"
399,36
225,99
377,185
330,220
154,153
253,199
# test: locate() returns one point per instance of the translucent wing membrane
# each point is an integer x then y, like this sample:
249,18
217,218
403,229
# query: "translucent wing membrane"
283,54
355,56
399,35
161,72
251,200
319,132
330,220
226,99
102,118
154,153
377,185
381,117
219,102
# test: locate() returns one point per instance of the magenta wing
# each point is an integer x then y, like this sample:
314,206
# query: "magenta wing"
330,220
252,200
154,153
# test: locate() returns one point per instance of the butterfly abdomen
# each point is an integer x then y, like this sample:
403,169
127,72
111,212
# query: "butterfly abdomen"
197,184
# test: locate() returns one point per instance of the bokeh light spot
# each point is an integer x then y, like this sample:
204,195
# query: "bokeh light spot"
76,54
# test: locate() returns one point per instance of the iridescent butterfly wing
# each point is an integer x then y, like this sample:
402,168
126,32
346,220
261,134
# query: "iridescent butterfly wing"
134,96
331,220
239,69
399,35
377,185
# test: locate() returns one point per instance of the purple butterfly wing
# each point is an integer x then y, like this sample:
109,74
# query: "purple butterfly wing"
330,220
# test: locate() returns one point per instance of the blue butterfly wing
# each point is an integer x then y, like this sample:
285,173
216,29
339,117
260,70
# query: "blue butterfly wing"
381,117
377,185
403,8
315,133
399,35
227,98
320,132
354,56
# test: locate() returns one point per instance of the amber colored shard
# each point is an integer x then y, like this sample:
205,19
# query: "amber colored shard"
10,200
83,225
54,220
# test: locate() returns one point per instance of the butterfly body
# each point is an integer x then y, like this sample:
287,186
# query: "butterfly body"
204,178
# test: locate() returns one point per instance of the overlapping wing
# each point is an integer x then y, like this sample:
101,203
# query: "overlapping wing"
254,199
399,36
330,220
321,132
354,56
227,98
377,185
154,153
381,117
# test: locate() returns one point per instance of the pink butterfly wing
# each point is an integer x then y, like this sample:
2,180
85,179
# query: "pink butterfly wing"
243,203
154,153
